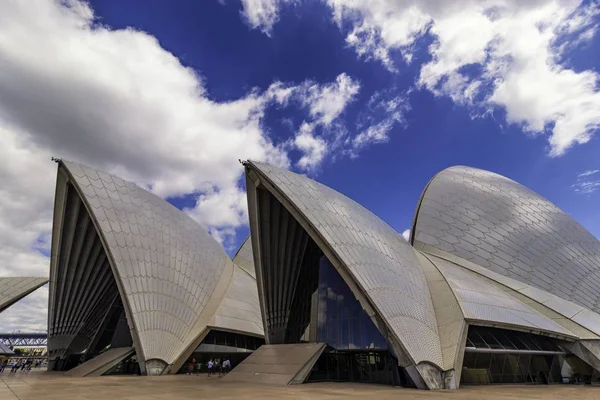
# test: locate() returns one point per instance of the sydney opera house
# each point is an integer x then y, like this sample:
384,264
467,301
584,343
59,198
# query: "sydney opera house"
495,285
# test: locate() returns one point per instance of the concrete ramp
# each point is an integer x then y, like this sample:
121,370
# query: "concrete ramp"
281,364
102,362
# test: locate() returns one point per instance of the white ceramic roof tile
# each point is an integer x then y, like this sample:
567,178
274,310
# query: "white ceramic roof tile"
525,236
240,308
484,302
244,257
158,225
385,268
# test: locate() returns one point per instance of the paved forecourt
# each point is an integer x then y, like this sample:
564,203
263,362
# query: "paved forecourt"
37,385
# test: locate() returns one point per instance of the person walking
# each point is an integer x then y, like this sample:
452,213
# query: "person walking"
3,365
16,366
210,366
226,366
217,366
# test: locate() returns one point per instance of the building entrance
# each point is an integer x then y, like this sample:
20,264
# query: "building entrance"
355,366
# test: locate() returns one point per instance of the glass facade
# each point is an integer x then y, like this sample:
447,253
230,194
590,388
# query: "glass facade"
493,338
501,356
356,350
356,366
341,321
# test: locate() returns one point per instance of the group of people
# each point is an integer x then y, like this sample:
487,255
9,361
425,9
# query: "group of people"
23,365
217,367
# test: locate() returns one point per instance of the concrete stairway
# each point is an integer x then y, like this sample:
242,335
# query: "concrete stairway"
102,362
283,364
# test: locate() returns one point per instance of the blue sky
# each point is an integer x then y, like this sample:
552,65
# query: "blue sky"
370,97
387,178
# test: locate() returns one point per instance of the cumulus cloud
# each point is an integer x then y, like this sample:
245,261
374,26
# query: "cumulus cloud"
262,14
587,182
511,48
406,234
313,148
326,102
118,101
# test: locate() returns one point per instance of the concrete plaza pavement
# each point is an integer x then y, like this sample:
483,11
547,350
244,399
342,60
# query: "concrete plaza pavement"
36,385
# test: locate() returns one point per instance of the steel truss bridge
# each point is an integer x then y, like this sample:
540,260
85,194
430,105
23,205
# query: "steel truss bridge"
24,339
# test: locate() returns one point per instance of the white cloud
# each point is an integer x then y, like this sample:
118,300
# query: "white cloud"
406,234
115,100
393,108
514,45
262,14
313,148
327,101
28,315
587,182
588,173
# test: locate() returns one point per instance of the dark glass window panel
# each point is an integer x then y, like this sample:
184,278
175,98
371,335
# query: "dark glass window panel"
210,338
540,368
555,370
477,340
469,343
356,330
483,361
490,339
497,364
380,342
334,304
524,362
537,344
367,331
230,339
504,340
469,360
527,341
511,364
220,338
344,333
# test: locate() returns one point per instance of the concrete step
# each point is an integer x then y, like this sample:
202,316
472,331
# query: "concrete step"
102,362
282,364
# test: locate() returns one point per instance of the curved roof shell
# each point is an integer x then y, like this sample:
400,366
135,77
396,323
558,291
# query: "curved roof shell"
498,224
244,257
171,275
380,263
13,289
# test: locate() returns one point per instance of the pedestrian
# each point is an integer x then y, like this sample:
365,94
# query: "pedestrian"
210,366
226,366
191,368
217,367
3,365
198,367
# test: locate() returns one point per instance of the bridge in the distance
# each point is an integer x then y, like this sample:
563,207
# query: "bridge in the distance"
24,339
